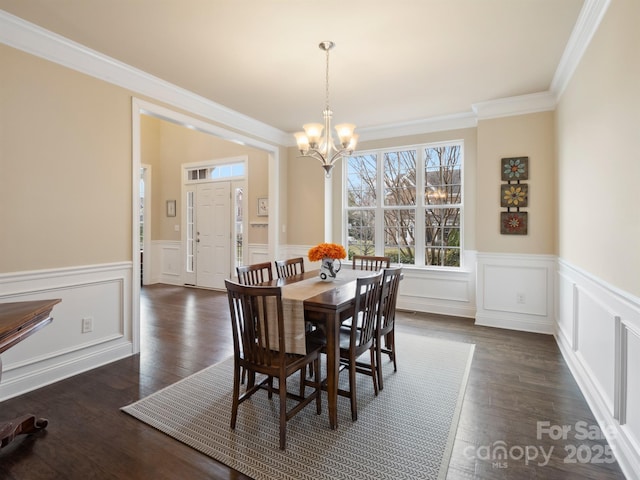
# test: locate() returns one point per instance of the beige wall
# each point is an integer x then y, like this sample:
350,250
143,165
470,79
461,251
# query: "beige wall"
65,167
598,122
166,146
519,136
484,146
305,205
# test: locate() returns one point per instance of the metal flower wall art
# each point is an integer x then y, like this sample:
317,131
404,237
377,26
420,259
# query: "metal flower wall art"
514,195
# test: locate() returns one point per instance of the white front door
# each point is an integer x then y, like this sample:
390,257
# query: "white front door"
213,234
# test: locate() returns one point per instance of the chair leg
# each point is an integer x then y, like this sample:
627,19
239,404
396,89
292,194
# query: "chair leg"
282,386
374,370
244,372
270,388
303,377
318,381
352,389
378,370
392,347
236,396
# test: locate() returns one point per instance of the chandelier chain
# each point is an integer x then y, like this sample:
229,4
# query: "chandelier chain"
326,100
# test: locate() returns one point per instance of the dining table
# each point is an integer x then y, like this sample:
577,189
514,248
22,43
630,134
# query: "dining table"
19,320
329,304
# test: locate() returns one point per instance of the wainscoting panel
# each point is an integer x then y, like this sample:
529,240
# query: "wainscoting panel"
516,292
599,336
60,350
166,262
596,343
565,318
444,292
631,388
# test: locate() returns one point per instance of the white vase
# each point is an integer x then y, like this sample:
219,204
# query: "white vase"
329,269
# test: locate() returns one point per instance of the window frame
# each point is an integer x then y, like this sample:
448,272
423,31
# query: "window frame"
419,208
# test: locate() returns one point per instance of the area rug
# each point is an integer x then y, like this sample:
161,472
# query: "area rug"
406,432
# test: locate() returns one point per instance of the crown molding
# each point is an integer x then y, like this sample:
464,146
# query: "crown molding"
37,41
588,22
22,35
519,105
416,127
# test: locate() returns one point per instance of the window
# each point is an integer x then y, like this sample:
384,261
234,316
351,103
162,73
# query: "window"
191,232
216,172
406,204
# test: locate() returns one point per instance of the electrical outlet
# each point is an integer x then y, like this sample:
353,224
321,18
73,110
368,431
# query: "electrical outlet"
87,325
520,298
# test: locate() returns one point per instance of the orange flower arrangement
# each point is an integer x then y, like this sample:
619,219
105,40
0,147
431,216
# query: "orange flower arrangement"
324,250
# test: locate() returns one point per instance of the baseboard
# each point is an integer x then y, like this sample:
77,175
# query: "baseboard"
520,322
417,304
55,369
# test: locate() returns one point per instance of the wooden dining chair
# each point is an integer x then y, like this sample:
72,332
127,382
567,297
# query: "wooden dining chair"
357,337
290,267
385,325
256,326
255,273
369,262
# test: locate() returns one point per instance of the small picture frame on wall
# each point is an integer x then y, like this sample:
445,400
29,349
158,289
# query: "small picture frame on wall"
513,223
263,207
514,195
171,208
515,169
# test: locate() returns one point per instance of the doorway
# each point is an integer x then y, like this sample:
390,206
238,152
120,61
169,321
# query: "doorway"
142,108
209,225
213,220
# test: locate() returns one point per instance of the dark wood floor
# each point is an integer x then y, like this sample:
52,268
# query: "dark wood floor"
517,379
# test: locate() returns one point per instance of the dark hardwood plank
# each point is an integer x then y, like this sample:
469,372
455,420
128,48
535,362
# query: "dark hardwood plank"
516,380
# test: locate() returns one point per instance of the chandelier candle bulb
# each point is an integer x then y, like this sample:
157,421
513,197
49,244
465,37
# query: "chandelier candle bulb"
345,133
314,133
302,141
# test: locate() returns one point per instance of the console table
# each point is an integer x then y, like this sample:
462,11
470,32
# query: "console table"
18,320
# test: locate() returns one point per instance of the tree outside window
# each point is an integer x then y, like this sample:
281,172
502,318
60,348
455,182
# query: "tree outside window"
386,215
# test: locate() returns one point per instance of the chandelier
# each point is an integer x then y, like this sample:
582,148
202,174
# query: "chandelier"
313,144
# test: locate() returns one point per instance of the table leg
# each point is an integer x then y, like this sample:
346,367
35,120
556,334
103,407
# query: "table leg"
23,425
333,369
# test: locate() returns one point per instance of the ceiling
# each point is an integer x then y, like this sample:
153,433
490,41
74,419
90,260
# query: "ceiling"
394,61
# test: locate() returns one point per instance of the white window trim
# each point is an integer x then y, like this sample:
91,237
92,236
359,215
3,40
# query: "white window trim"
420,206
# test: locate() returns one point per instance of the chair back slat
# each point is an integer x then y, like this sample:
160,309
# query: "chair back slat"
255,273
363,328
369,262
289,267
388,298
